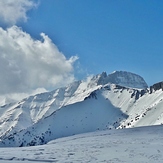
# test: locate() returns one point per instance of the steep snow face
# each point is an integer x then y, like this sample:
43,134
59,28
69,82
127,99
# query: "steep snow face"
93,113
18,116
142,107
123,78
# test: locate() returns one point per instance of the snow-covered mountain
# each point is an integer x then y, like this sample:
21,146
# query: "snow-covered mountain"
123,78
118,100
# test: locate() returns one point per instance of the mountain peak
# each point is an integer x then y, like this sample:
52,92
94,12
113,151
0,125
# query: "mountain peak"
122,78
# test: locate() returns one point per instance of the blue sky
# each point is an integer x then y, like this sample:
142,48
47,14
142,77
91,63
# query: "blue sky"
106,35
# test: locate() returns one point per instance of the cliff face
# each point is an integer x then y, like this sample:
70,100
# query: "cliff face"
156,87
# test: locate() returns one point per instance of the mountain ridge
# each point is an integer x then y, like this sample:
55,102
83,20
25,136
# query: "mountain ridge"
73,109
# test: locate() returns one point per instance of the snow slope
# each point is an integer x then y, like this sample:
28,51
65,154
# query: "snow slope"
118,100
136,145
94,113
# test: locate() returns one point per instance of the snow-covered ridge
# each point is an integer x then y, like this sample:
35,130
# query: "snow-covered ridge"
98,103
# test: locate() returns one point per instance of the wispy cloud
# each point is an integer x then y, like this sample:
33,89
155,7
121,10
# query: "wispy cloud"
27,64
12,11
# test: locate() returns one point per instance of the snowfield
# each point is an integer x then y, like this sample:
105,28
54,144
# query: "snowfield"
136,145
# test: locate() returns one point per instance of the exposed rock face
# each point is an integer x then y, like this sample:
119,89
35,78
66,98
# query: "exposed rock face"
156,87
123,78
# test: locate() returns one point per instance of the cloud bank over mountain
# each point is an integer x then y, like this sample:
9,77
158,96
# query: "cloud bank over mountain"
27,64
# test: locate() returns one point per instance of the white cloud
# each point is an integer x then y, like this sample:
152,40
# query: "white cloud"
27,64
12,11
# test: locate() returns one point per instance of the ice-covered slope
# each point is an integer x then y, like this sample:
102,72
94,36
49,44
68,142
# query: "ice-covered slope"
98,103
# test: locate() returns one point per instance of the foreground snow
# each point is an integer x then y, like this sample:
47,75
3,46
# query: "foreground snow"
139,145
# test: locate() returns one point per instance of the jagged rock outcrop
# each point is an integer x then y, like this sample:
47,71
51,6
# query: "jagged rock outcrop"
156,87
